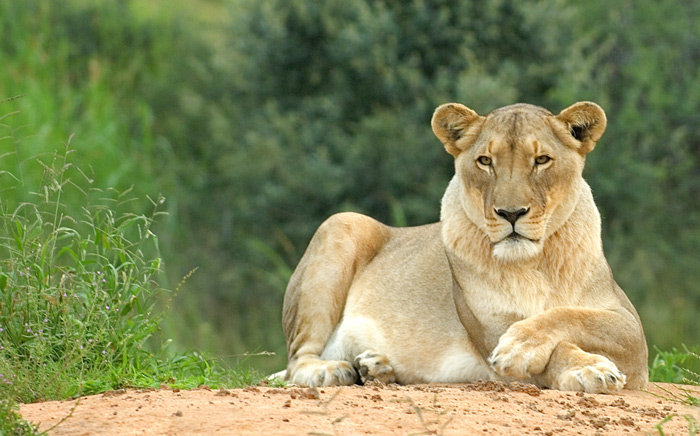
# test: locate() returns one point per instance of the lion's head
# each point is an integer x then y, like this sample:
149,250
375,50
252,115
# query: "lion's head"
519,169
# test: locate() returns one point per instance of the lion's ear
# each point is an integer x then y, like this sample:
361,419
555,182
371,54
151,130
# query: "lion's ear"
585,122
452,122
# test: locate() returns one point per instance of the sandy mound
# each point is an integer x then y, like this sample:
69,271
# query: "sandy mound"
486,408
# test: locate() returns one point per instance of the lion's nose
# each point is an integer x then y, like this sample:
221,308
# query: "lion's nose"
512,215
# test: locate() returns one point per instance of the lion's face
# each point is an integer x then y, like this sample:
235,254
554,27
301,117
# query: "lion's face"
519,168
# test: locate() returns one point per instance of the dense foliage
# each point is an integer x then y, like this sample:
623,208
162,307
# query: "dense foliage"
258,119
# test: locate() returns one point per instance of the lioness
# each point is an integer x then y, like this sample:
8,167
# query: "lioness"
511,284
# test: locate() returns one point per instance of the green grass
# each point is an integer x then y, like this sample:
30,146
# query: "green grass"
80,295
675,366
690,420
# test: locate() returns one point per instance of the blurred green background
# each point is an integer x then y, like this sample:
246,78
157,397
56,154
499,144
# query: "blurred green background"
257,119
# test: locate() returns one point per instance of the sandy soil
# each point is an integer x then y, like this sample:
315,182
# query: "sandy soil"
485,408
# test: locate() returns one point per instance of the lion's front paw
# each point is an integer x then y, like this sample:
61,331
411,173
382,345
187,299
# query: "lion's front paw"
372,365
316,372
521,352
602,377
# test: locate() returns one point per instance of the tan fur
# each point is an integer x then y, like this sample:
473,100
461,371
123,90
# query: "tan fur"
511,284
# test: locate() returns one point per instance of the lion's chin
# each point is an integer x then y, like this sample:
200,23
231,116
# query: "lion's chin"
516,248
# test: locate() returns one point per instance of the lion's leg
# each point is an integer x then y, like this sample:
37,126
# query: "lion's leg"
572,369
316,294
550,346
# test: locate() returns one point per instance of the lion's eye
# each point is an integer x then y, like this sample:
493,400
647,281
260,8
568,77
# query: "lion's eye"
541,160
484,160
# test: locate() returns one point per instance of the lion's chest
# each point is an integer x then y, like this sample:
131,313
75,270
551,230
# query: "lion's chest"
499,300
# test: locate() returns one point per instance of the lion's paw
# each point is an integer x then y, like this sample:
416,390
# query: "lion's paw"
324,373
520,353
602,377
371,365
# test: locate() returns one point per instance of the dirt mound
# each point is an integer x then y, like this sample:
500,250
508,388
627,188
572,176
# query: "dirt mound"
485,408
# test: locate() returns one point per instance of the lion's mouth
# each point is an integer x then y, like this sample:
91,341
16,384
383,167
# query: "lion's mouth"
516,247
515,237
